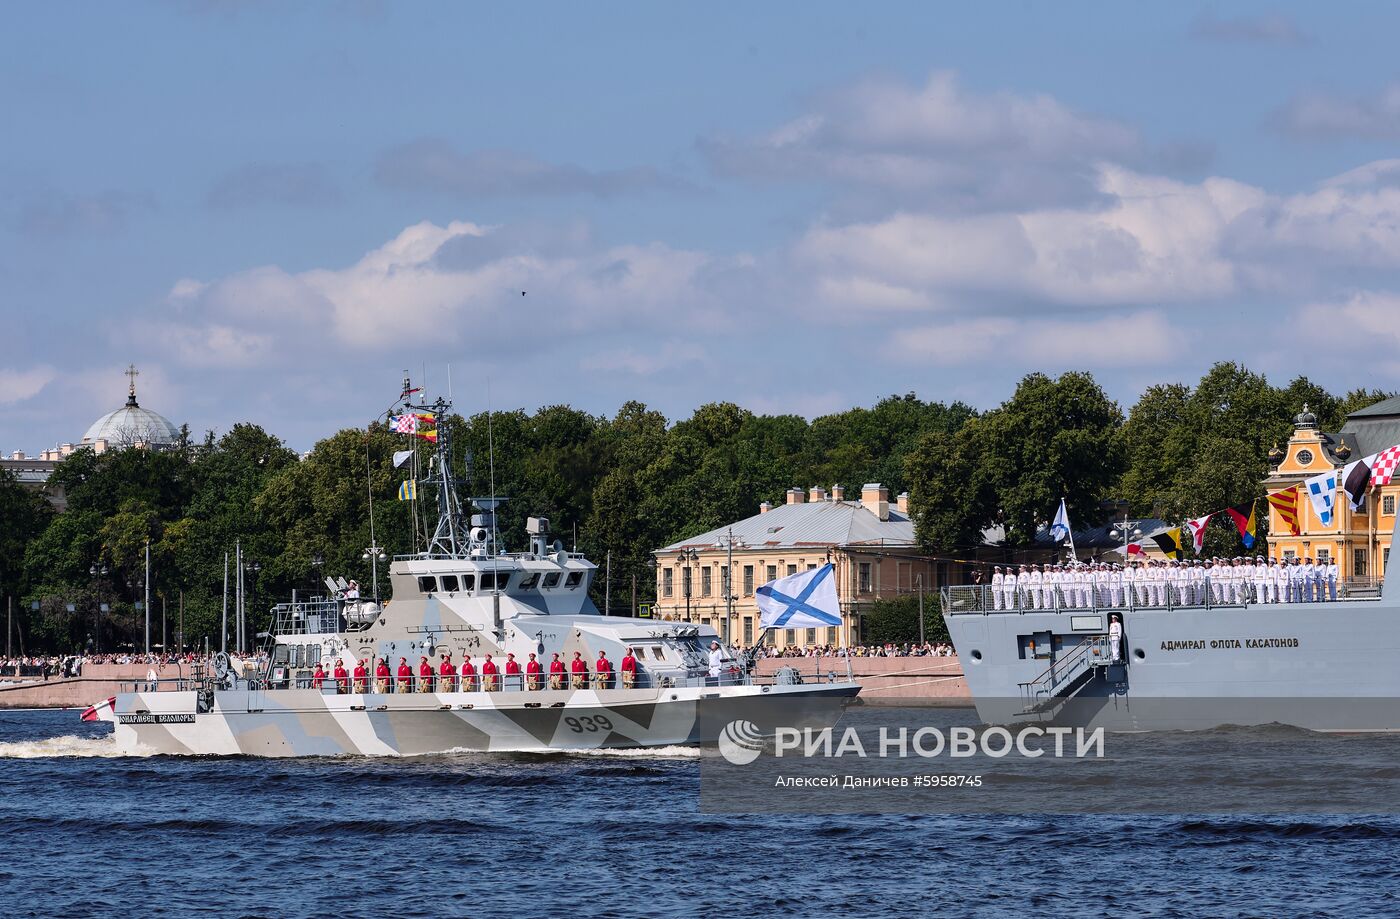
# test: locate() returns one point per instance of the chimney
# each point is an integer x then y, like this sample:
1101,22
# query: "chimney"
765,507
902,502
838,493
817,494
875,498
18,455
796,496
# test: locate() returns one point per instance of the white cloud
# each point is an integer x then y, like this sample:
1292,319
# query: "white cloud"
405,290
951,147
1318,115
19,385
666,356
1146,337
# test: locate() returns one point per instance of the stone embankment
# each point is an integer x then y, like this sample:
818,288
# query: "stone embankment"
888,680
98,681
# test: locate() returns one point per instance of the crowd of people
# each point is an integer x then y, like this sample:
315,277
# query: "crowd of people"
379,676
1193,582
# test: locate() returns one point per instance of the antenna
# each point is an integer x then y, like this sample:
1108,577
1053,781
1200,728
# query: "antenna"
491,464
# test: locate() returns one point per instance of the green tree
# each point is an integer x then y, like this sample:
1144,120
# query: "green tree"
896,619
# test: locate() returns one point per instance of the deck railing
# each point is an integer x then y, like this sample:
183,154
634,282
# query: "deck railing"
983,599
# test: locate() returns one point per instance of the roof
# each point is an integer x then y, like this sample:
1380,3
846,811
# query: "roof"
132,424
1385,407
818,523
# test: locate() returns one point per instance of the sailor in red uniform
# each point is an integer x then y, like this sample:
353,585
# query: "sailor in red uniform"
468,676
556,672
342,679
488,674
381,676
361,677
425,675
579,667
447,674
602,668
512,670
629,668
405,674
318,678
532,673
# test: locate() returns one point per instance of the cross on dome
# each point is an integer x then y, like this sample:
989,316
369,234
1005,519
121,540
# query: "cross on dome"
132,373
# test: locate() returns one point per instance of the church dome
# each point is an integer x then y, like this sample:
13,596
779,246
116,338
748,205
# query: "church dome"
131,424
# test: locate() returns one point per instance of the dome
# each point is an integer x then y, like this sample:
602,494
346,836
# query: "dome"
1306,419
131,424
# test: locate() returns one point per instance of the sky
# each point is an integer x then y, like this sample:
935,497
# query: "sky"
274,210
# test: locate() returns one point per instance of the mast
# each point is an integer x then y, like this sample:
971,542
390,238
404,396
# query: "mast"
450,538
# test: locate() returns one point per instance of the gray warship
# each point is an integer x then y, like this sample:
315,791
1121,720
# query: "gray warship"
1323,666
466,597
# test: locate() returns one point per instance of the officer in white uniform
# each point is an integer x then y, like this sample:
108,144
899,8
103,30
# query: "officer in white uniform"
1309,579
1333,573
1277,581
1023,589
1259,579
1115,638
1119,592
1037,584
998,582
1319,580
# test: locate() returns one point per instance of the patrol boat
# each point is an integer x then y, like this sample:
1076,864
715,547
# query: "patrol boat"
1324,666
466,597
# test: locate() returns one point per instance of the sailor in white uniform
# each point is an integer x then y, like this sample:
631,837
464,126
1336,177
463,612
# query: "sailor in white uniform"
1332,573
1259,580
998,585
1308,579
1037,585
1023,589
1278,580
1119,593
1115,638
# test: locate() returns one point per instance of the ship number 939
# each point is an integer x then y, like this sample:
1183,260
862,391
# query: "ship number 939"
590,723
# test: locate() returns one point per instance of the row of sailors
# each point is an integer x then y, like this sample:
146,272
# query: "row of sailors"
446,677
1081,585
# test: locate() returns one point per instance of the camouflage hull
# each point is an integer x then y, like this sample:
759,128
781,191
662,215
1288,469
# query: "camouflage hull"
305,722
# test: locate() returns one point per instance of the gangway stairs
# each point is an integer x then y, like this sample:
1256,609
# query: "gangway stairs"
1069,674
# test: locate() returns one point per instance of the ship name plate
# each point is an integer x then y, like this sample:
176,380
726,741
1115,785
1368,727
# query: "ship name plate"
1217,644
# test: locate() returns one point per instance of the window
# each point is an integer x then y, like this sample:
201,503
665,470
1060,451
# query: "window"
864,586
831,634
1358,562
685,580
1385,559
811,636
667,581
1305,457
574,579
772,571
789,637
792,569
748,630
657,653
468,582
552,580
1388,505
811,566
1290,554
1324,556
706,577
427,583
449,583
748,580
495,580
529,581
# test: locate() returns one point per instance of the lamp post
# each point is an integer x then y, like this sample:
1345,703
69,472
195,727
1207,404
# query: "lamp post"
374,555
729,542
1124,532
687,556
97,571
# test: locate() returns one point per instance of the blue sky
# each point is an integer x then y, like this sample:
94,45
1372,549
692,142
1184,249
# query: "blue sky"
274,209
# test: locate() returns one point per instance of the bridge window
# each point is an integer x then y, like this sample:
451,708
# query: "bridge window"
468,582
427,583
530,581
552,580
495,580
449,583
574,579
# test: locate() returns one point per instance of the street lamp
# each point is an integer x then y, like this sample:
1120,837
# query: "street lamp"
729,542
97,571
1128,535
374,555
687,556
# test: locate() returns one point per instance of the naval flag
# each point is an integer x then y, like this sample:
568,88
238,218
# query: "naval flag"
401,457
1059,530
806,600
1322,492
1198,531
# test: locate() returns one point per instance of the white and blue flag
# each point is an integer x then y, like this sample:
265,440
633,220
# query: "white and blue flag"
806,600
1322,492
1059,530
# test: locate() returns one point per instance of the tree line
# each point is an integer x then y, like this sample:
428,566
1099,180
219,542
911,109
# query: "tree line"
619,486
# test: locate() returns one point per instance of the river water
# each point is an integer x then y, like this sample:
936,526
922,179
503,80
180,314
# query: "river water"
88,833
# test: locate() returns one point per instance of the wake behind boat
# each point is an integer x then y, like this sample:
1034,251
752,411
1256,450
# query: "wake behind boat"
478,650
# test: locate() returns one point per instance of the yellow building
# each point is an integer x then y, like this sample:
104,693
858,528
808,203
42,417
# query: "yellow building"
1359,540
870,542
